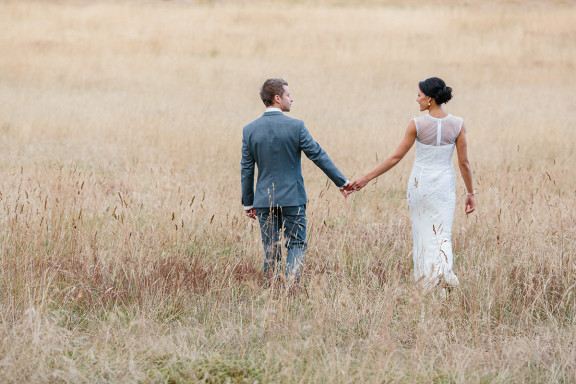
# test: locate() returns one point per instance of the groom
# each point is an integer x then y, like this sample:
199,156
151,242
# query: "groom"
274,142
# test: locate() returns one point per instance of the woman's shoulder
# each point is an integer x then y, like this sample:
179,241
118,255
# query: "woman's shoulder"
458,120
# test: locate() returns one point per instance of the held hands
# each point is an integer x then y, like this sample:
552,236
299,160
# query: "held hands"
354,186
358,184
345,190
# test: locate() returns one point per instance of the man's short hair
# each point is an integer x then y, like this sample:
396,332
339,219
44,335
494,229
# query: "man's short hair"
271,88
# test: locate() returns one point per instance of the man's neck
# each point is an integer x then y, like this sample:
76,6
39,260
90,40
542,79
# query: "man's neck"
273,109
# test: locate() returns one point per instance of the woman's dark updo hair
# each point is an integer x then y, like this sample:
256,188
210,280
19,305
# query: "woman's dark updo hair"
436,88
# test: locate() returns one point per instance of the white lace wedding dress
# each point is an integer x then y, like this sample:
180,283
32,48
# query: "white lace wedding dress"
432,199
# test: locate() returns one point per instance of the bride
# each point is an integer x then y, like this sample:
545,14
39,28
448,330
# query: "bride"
431,188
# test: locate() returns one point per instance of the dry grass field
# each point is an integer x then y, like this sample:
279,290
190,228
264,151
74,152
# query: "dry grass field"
125,255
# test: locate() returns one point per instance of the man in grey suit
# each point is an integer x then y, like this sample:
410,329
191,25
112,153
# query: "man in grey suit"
274,143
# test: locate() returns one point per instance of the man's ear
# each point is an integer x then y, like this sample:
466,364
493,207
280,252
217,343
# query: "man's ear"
277,98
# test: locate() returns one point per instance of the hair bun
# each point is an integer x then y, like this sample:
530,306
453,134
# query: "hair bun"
444,95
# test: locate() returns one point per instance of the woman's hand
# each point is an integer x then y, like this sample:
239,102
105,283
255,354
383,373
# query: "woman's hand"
470,204
359,183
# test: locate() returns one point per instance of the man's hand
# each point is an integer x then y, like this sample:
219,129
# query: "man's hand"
251,213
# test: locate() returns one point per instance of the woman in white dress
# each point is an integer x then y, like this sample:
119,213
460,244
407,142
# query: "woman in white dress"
431,188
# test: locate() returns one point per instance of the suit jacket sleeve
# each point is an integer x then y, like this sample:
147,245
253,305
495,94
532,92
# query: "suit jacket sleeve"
315,153
247,174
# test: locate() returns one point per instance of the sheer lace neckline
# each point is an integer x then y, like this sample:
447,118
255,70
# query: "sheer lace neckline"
437,131
438,118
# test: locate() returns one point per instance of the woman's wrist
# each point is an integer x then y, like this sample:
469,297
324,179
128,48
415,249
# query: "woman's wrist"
471,193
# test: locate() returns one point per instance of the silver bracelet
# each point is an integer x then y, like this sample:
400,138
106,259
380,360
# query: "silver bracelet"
471,194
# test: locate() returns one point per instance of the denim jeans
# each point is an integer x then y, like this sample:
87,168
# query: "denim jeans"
292,222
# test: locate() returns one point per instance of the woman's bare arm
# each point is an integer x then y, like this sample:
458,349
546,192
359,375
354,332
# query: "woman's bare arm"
389,162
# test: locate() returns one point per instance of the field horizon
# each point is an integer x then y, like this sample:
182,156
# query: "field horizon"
125,254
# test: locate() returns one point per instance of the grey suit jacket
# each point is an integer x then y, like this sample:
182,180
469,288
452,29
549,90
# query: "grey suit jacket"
274,143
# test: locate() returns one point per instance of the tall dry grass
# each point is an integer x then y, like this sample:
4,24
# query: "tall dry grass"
125,256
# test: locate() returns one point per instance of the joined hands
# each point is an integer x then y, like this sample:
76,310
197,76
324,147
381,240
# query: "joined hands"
354,186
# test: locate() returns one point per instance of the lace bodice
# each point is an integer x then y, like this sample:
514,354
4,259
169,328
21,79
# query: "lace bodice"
435,139
433,131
